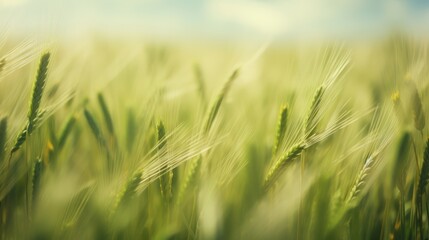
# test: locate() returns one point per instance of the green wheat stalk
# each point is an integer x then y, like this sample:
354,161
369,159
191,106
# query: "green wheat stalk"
421,187
66,131
190,177
210,118
417,108
397,105
106,114
3,136
200,83
362,178
401,160
283,163
160,133
93,126
2,64
37,174
166,180
399,175
131,129
19,140
34,115
296,150
99,137
424,173
281,128
214,109
38,87
131,187
309,123
128,191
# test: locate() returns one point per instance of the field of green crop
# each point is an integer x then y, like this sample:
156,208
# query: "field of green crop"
106,139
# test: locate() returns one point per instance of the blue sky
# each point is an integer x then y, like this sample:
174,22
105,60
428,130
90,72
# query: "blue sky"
217,18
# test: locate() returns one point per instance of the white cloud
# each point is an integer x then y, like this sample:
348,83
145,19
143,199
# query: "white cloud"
260,16
314,17
275,17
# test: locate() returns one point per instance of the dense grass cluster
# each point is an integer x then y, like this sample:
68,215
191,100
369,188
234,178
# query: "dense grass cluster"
141,141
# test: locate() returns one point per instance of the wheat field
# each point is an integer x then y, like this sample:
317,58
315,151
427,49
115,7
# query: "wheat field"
157,140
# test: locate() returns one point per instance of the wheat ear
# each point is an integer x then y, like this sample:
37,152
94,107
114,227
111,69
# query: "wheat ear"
33,113
38,88
362,178
165,180
281,128
214,109
283,163
93,125
128,191
106,114
37,175
311,119
66,132
417,107
211,116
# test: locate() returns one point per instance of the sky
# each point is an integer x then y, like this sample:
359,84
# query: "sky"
288,19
